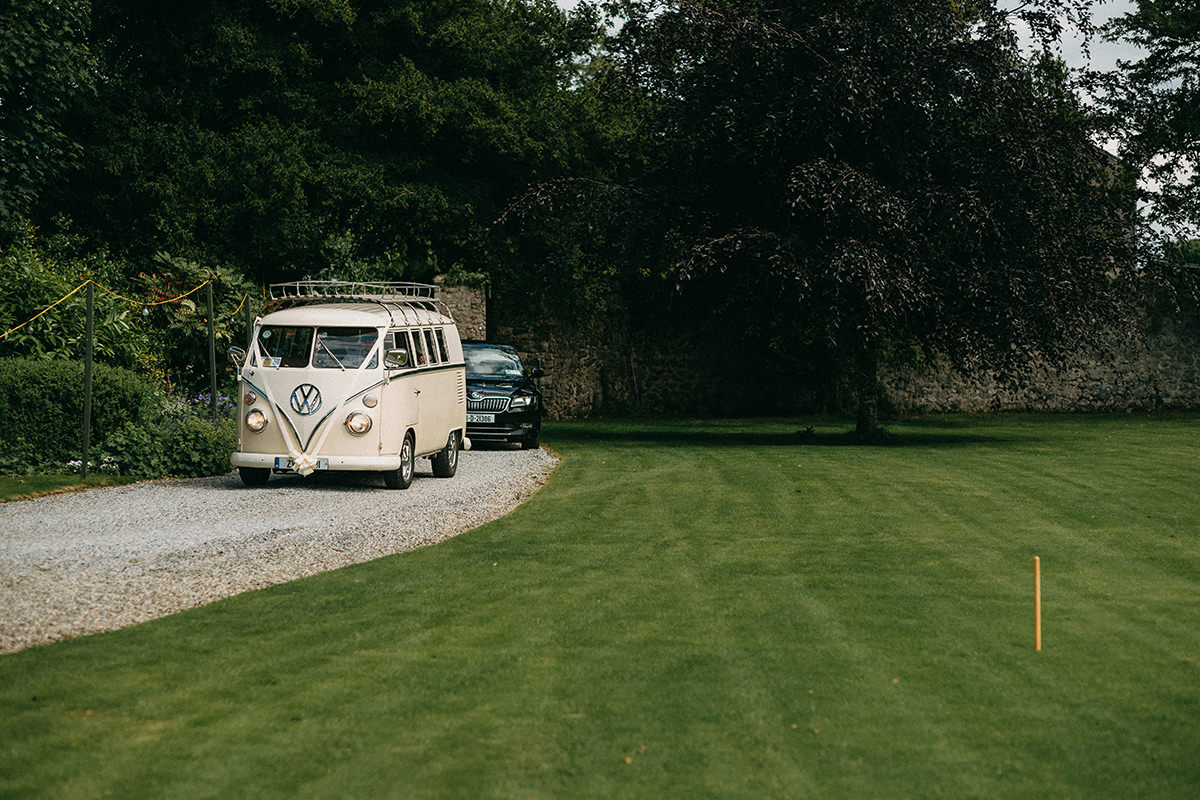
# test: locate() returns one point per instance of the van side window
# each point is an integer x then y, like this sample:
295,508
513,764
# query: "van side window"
441,340
433,354
399,340
418,349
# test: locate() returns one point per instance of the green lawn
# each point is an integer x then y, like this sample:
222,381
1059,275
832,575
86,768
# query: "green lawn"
692,610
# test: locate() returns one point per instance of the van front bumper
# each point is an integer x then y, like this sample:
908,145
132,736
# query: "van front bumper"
335,463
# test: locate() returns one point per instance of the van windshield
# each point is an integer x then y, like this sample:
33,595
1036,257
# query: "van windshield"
281,346
345,348
334,348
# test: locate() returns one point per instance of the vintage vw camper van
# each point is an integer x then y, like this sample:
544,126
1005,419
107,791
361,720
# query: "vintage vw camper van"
351,376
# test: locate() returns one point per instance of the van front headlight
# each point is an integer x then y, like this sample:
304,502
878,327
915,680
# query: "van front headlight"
358,423
256,420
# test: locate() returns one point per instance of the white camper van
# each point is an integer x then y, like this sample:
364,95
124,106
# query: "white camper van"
351,376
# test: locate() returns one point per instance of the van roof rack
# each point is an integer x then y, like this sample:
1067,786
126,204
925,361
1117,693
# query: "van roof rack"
397,295
385,292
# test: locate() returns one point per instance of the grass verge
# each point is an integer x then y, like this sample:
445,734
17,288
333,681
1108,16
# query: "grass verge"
691,610
24,487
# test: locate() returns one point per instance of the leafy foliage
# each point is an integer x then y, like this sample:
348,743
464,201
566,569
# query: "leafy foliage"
1153,108
879,175
133,426
197,446
260,134
178,317
44,65
1189,252
33,278
141,321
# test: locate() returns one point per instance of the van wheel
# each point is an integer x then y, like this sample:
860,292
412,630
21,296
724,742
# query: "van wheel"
401,477
254,476
445,461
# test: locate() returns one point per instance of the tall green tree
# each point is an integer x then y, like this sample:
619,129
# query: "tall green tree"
875,175
44,64
1153,104
278,135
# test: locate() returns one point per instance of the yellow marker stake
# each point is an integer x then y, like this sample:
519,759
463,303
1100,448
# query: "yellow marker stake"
1037,603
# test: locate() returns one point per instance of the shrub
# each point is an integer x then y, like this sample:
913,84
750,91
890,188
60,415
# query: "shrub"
137,450
195,446
133,426
181,440
41,403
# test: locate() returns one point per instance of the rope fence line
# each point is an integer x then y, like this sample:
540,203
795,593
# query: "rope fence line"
142,303
145,303
44,310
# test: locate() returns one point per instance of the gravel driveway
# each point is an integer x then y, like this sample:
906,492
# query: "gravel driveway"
103,559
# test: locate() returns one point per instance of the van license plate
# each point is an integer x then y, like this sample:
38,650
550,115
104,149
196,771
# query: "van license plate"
287,463
481,418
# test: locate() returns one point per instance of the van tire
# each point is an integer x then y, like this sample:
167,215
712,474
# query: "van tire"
254,476
402,476
445,461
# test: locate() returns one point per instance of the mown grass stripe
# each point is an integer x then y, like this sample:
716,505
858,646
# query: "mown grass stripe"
652,624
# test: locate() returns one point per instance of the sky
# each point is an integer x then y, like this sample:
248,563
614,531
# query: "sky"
1104,55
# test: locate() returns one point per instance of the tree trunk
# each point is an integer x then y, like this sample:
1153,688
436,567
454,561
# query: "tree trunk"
866,383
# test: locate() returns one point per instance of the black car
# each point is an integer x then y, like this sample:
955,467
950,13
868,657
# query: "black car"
503,402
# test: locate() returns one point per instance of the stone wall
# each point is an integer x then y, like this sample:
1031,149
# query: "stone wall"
661,366
468,304
1158,370
671,364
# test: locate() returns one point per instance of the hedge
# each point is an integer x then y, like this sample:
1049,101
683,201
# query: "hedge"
41,405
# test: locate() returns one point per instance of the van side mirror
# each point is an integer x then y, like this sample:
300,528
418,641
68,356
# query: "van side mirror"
237,356
396,359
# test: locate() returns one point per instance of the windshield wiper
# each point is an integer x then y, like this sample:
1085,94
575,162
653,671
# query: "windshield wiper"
321,343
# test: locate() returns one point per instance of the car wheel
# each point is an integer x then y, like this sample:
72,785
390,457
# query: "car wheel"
445,461
254,476
401,477
531,442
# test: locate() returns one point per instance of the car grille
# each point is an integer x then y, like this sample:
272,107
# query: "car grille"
488,404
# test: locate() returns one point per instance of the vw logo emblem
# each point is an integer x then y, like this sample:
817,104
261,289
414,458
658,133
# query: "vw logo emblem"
306,399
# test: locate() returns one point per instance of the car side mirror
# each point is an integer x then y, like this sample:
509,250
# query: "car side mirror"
237,356
396,359
536,373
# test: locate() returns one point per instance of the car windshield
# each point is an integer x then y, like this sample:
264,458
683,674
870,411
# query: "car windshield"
493,362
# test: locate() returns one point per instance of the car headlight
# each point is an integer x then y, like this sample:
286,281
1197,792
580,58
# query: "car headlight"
522,401
256,420
358,423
